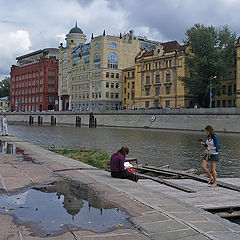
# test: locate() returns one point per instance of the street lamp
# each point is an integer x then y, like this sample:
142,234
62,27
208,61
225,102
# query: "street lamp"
210,92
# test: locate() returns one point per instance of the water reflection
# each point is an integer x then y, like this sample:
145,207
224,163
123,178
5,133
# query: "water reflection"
50,209
9,148
179,149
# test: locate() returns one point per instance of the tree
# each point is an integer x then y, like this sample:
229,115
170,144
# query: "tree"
5,87
212,53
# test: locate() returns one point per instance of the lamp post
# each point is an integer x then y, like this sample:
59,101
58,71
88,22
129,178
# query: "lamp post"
210,92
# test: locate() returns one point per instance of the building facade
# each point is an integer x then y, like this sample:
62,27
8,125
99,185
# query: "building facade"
90,73
4,104
34,81
154,81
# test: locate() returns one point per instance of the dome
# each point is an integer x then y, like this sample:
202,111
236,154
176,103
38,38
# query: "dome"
76,29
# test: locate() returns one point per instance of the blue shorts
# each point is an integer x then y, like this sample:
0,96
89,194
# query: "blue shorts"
212,158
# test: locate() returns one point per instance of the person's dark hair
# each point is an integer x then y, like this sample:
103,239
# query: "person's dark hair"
210,130
124,150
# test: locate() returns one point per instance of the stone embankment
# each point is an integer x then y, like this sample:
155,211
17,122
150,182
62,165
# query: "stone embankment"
156,215
222,119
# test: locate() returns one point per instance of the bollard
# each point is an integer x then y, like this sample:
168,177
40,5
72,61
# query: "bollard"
39,120
30,120
95,123
78,121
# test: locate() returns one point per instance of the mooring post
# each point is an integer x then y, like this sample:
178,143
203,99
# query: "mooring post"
95,123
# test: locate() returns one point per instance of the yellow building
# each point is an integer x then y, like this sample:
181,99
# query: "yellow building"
90,73
4,104
157,79
227,96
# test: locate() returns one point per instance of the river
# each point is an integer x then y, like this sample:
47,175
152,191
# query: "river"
179,149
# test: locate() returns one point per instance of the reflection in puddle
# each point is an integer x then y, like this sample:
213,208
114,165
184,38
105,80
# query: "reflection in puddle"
52,208
9,148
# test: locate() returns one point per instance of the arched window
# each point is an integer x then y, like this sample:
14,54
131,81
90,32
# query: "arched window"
113,45
97,57
97,46
97,61
113,61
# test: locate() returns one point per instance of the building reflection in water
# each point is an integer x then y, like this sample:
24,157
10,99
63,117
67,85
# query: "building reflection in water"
75,196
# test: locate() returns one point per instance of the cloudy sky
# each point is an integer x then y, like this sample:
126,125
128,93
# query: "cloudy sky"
29,25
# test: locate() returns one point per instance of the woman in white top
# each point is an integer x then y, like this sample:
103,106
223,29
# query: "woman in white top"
211,155
5,126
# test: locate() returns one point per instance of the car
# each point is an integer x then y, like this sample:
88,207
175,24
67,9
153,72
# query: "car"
154,108
141,108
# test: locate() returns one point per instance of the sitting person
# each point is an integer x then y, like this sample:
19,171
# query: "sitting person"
117,165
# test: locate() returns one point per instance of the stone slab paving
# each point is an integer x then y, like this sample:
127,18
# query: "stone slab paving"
157,214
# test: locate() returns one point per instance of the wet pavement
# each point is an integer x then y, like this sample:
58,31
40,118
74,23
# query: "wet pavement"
57,207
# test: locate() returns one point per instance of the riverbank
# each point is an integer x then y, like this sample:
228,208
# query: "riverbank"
223,119
155,213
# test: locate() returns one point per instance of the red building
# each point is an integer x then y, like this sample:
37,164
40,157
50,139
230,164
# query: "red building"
34,81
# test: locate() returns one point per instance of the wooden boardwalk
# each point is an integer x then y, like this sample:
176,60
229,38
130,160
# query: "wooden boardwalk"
205,197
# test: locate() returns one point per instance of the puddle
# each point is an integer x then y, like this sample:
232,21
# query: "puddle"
9,148
52,209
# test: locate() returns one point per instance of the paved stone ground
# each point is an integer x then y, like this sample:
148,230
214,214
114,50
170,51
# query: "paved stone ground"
155,214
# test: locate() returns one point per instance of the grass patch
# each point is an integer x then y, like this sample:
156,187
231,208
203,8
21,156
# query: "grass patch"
94,158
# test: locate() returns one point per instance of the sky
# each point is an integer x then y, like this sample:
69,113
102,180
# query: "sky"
30,25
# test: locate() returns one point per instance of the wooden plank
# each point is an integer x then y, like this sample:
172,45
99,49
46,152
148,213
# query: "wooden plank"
156,171
195,177
174,185
80,168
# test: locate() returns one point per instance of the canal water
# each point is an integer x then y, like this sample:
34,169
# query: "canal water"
179,149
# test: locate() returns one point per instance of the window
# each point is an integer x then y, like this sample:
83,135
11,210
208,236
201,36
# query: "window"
147,91
133,85
128,95
168,89
93,85
107,94
224,103
157,78
113,61
125,90
112,75
117,85
107,84
168,77
97,46
133,74
93,95
113,45
229,90
132,95
117,75
229,103
112,85
107,74
97,60
147,104
167,104
224,89
125,79
99,94
116,95
157,91
128,84
147,79
112,95
218,104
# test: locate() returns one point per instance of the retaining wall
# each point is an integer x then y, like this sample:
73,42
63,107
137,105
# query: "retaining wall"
222,119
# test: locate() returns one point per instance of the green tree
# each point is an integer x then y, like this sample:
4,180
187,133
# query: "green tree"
212,53
5,87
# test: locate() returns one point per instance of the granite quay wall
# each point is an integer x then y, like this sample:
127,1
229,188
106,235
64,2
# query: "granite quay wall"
222,119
